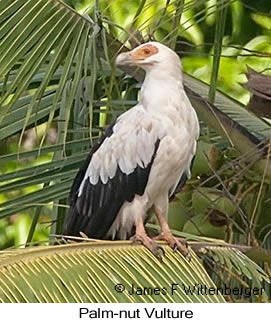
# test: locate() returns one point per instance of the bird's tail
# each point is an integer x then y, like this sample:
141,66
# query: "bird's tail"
72,223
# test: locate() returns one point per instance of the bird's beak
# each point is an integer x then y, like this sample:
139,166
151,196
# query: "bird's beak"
129,58
125,59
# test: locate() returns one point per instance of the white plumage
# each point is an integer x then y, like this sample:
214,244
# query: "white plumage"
154,142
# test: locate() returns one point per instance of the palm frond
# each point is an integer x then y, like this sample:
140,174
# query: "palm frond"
41,43
89,272
236,259
238,263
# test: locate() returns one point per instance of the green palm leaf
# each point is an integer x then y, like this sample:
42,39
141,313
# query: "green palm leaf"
89,272
36,38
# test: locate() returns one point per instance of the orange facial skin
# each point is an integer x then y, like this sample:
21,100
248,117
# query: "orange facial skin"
144,52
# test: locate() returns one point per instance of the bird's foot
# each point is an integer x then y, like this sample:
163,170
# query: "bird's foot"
177,244
147,242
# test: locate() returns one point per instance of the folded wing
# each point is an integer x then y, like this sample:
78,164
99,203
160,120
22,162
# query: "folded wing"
116,169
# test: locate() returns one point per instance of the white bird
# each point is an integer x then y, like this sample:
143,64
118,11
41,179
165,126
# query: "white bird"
142,158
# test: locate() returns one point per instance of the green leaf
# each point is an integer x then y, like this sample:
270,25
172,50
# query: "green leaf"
89,272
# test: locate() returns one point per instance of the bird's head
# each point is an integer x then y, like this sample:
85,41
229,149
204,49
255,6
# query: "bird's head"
149,56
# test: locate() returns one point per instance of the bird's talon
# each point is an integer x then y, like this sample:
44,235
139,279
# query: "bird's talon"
175,247
134,239
180,245
162,251
154,248
186,253
188,257
157,250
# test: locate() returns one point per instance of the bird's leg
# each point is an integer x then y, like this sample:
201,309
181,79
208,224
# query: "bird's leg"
166,235
142,237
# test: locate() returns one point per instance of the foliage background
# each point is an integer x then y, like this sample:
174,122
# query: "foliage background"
228,196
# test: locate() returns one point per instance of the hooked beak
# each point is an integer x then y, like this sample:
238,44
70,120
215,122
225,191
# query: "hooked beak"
124,59
127,58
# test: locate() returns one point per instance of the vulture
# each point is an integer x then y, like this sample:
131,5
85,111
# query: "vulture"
141,160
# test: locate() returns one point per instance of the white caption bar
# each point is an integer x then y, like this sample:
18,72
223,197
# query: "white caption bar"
72,313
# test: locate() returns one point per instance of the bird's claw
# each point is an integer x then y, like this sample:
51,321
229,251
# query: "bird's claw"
181,246
176,244
158,251
175,248
154,248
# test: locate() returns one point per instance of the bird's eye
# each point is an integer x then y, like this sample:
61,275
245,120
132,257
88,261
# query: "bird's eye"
146,51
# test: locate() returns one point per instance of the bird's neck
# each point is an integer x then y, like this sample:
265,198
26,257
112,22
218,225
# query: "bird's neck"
161,89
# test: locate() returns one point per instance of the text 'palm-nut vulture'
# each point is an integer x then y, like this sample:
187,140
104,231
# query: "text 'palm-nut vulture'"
142,159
